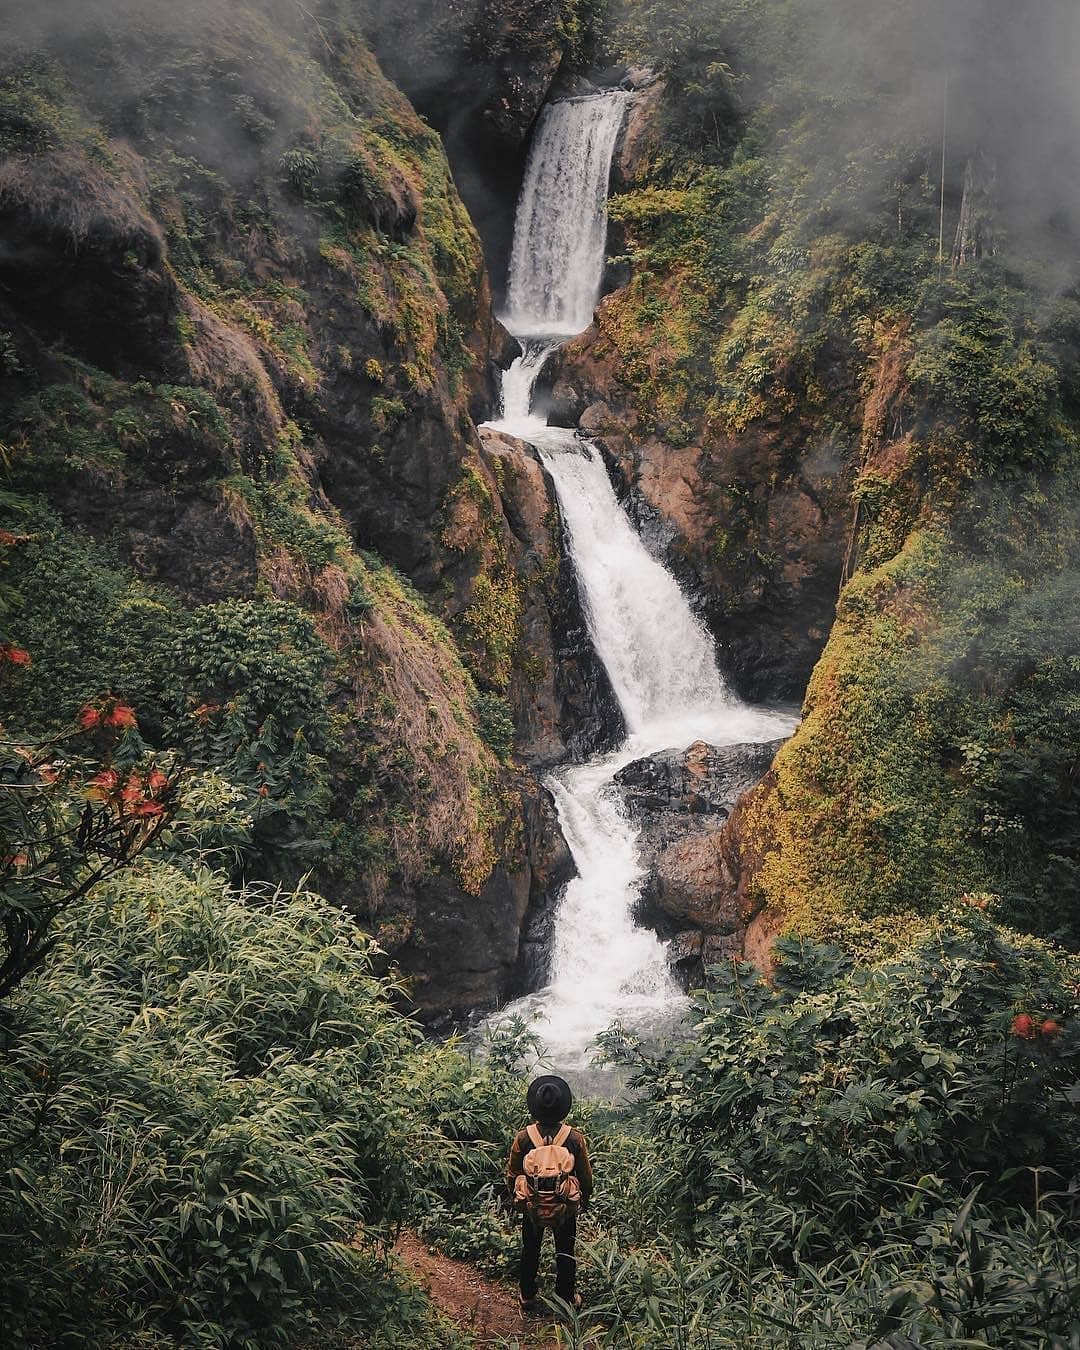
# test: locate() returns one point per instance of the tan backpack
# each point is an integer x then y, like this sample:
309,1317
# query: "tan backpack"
547,1189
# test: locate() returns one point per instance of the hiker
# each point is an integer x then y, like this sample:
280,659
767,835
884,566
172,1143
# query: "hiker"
550,1179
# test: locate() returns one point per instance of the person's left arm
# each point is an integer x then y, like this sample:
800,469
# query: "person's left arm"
583,1169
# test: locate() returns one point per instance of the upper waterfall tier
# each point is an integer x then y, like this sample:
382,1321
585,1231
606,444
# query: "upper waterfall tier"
561,226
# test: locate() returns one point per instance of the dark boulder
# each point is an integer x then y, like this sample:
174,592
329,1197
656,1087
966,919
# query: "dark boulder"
688,806
689,791
467,954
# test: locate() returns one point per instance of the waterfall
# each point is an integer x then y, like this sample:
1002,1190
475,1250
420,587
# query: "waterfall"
560,229
657,654
518,385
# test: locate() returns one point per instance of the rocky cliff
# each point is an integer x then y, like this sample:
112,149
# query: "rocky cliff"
859,452
244,319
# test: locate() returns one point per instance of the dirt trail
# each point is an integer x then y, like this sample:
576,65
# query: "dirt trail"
486,1311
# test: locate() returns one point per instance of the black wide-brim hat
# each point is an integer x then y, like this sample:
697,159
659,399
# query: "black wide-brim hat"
549,1098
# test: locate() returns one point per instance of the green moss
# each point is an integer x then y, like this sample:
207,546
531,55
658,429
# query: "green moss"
932,760
429,789
38,111
492,622
98,428
283,517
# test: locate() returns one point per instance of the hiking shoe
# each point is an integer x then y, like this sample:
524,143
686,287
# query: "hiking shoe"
528,1306
573,1303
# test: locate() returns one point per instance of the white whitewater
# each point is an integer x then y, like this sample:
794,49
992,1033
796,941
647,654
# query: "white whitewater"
657,654
561,225
519,382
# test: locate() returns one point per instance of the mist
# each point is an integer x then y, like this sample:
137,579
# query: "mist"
871,80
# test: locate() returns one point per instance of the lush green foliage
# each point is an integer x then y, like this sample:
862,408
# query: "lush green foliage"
880,1142
238,687
843,1154
307,736
209,1123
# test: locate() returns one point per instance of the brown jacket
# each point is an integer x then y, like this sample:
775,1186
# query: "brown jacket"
575,1142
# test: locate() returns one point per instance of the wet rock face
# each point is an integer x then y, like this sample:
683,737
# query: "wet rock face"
346,381
685,804
192,544
466,954
488,63
480,73
564,706
553,867
462,950
591,718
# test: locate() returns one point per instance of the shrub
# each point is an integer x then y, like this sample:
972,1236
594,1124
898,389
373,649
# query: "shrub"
855,1151
204,1128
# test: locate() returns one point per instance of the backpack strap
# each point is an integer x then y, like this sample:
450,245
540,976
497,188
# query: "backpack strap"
537,1139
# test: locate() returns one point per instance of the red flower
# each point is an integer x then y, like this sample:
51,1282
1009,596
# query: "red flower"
7,538
264,791
146,810
16,860
156,781
1050,1028
89,717
205,710
18,656
1024,1027
107,779
121,715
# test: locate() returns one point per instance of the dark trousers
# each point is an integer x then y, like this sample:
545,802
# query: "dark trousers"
565,1264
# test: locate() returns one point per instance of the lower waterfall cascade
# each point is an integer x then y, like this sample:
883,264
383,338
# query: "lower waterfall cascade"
659,657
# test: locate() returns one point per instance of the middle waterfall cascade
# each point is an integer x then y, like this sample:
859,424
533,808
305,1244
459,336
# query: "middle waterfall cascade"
658,655
520,380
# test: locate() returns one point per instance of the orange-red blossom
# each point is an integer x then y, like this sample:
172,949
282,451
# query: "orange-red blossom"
1028,1029
136,796
110,713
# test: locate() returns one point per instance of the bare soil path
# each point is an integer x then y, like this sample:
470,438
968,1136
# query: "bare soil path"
484,1310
